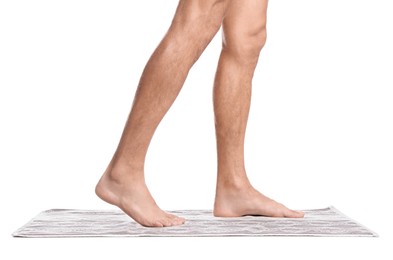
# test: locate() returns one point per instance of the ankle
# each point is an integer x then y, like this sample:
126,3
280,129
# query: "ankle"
118,173
232,182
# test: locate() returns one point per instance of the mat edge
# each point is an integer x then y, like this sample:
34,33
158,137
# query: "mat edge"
374,234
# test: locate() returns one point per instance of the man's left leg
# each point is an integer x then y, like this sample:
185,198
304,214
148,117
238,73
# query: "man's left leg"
244,34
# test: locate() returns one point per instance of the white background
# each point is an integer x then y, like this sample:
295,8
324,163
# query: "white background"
319,133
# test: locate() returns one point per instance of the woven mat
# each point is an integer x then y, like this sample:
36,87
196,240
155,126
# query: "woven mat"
103,223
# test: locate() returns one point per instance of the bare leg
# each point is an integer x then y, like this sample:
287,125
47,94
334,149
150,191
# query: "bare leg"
244,34
123,184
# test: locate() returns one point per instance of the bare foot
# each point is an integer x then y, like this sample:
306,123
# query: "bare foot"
133,197
242,200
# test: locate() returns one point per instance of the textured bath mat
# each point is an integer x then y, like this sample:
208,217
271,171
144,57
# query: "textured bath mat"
99,223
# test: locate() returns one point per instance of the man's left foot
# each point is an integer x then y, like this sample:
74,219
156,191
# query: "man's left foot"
242,200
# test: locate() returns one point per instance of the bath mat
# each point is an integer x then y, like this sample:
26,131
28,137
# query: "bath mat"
104,223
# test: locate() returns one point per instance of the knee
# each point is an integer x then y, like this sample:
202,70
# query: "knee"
200,13
196,22
246,46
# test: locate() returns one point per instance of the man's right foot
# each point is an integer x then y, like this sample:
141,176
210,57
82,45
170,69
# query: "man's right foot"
132,196
242,200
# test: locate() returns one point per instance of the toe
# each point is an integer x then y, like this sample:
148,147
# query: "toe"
279,211
180,220
300,214
175,220
171,216
159,224
163,223
168,222
155,224
294,214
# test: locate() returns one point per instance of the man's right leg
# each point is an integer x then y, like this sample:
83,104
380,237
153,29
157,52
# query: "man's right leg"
123,184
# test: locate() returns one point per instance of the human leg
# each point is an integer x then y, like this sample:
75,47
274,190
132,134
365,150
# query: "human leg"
244,35
123,184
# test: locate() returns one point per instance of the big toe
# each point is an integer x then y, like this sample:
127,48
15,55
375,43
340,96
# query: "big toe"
164,222
176,220
294,214
169,221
